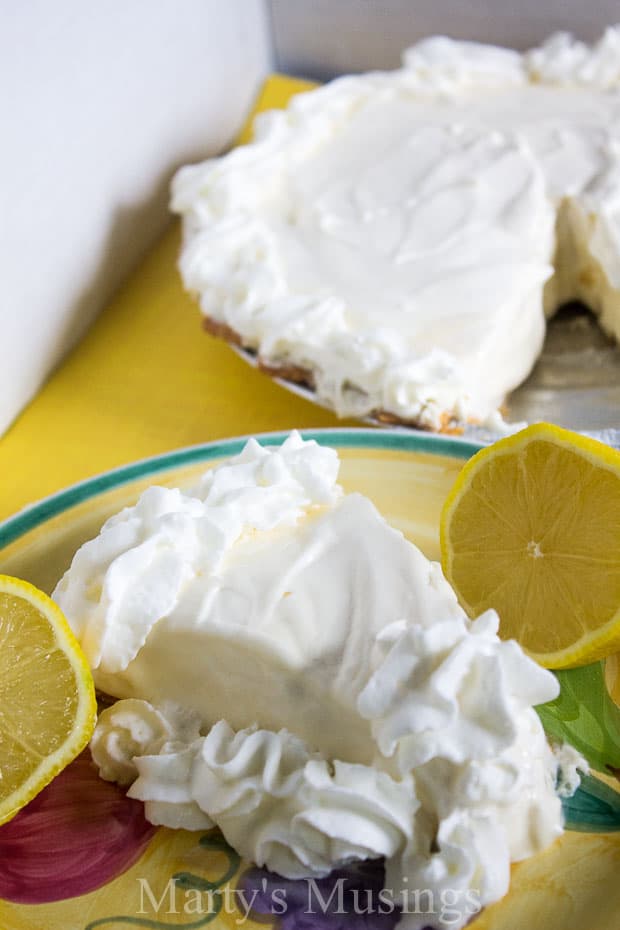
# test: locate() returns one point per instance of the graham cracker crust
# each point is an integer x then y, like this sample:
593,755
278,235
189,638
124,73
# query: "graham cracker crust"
296,374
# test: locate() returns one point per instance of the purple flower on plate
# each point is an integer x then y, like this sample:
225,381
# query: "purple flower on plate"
79,833
347,899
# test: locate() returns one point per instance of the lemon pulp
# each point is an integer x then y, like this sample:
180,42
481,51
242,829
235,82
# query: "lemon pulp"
532,529
47,697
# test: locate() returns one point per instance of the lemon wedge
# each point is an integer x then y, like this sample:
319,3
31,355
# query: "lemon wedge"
532,529
47,697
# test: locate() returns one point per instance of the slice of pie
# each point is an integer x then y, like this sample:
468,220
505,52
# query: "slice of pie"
295,671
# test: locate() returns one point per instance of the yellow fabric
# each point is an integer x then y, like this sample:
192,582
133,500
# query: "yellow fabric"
144,380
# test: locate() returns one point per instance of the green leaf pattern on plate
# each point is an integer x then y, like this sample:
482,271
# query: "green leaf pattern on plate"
186,880
585,716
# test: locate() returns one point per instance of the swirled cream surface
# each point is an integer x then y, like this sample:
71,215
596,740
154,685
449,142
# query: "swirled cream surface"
400,235
295,671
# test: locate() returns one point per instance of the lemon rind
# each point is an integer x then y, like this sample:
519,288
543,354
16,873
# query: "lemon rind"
591,646
86,711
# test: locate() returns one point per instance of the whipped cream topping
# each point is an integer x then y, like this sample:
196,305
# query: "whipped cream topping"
441,825
279,804
562,59
313,687
450,690
266,570
134,728
441,64
138,568
398,235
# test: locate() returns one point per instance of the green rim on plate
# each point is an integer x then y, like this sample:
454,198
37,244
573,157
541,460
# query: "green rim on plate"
29,518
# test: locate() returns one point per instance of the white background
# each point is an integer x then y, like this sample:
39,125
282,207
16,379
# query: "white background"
100,102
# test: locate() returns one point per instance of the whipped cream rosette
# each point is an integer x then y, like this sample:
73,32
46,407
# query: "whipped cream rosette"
296,672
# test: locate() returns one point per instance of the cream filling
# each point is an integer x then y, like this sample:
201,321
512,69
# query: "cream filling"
192,597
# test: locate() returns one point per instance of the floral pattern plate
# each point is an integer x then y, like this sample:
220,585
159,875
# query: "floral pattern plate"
81,856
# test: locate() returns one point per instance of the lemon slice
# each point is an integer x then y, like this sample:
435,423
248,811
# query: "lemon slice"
47,696
532,528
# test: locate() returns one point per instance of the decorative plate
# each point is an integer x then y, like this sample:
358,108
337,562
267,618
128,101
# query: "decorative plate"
81,856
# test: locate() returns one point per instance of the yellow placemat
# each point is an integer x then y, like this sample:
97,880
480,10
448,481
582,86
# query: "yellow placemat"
145,379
